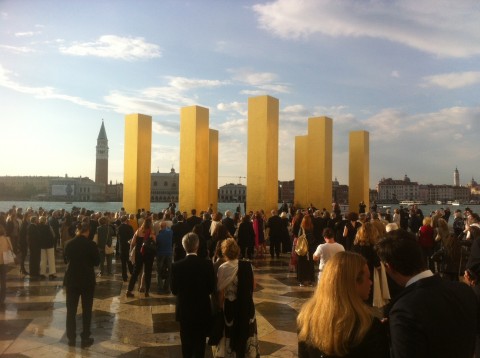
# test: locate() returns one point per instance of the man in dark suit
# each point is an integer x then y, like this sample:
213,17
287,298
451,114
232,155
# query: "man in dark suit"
81,255
193,282
430,317
124,235
229,223
180,229
275,226
193,220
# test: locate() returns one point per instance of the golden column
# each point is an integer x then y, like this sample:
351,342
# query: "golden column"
194,186
137,162
301,172
359,169
319,154
213,169
262,154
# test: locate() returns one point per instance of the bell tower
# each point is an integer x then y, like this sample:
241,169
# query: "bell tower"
101,169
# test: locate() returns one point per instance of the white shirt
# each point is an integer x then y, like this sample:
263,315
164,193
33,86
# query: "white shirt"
326,251
419,276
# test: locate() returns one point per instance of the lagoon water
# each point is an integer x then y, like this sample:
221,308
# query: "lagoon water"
156,207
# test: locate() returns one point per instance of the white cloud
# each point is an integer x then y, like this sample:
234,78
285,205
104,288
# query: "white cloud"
452,80
442,28
238,107
163,100
263,82
17,49
27,34
43,92
395,74
183,83
111,46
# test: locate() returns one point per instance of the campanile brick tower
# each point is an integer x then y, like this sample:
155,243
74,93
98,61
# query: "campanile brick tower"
101,168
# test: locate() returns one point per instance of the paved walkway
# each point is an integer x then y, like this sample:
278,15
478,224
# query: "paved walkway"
32,322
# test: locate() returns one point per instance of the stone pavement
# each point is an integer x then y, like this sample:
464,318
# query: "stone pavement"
32,322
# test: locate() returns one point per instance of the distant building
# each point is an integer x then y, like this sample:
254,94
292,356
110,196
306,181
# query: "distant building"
339,192
76,189
391,189
101,168
286,191
232,193
443,193
164,186
24,187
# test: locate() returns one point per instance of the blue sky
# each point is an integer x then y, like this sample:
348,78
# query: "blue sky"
406,71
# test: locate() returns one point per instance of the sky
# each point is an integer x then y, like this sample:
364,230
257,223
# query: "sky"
408,72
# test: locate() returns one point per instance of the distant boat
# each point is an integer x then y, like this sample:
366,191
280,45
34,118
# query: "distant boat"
456,203
438,202
412,202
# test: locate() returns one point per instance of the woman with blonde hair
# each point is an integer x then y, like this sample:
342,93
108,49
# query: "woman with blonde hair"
235,287
305,264
364,244
336,322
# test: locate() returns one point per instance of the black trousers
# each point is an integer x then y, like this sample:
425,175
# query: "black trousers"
124,257
193,340
140,261
73,295
34,261
274,246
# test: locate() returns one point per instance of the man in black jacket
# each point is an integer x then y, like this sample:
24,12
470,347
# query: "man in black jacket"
430,317
81,255
124,235
193,282
228,222
274,226
193,220
180,229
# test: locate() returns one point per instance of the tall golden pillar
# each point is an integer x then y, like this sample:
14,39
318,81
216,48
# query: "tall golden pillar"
137,162
358,169
301,172
319,167
194,187
262,154
213,166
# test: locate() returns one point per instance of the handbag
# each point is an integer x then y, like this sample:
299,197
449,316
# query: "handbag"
8,257
301,249
131,255
109,250
149,248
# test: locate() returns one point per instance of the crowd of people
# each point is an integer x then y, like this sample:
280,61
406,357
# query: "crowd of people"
355,261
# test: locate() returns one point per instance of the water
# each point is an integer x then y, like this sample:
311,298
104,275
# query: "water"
156,207
99,206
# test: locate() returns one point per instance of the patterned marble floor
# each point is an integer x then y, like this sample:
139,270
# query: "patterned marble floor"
32,322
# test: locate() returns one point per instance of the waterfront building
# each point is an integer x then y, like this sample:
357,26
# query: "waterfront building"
164,186
286,190
339,192
390,190
232,193
101,167
443,193
24,187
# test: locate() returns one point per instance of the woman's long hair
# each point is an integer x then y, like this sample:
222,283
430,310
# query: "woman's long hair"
336,319
367,234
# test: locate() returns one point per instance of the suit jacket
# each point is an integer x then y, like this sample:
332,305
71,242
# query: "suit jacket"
192,221
193,282
275,225
81,255
229,224
434,318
